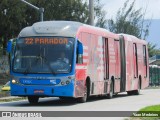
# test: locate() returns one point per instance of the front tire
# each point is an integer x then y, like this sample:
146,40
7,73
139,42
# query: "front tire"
85,97
65,98
33,99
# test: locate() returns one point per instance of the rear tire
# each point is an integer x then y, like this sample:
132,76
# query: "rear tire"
137,92
110,95
130,92
116,94
33,99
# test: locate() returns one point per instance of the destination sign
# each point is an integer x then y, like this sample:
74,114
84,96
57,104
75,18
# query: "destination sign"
31,41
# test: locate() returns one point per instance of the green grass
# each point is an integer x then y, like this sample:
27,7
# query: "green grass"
13,99
5,94
151,108
155,109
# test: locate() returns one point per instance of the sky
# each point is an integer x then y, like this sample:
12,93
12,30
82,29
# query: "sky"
152,8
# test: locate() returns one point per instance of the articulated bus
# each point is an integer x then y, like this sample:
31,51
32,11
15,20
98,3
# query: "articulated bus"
71,59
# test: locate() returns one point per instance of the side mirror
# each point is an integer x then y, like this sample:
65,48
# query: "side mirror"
9,46
80,52
80,48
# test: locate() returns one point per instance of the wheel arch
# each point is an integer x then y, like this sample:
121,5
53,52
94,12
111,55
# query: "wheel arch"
113,81
88,83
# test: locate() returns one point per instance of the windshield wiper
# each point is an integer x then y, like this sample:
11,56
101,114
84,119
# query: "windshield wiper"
49,66
33,63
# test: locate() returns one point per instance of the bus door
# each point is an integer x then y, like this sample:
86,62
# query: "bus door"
135,64
106,64
117,57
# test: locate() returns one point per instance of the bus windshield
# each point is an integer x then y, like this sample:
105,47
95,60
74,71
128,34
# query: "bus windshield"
43,55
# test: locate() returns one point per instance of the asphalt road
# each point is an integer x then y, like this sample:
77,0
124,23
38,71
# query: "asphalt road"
121,102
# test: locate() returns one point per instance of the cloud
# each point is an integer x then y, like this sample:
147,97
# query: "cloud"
152,6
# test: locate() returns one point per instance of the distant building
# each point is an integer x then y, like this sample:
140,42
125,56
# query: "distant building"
155,60
154,70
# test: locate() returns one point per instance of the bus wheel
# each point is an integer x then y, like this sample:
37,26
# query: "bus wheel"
115,94
84,98
130,92
137,92
65,98
110,95
62,98
33,99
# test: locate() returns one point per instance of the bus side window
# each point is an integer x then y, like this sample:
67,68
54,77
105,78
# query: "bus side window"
79,57
144,55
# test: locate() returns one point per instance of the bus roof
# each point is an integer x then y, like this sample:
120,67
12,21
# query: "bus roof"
51,28
133,38
68,29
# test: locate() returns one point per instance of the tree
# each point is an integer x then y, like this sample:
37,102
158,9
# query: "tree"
129,21
100,15
11,19
71,10
16,15
153,50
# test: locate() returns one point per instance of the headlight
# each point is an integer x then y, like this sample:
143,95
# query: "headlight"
14,81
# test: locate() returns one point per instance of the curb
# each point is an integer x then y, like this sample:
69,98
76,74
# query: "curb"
11,98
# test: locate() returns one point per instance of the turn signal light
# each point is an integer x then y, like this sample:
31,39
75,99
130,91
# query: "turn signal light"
67,82
62,83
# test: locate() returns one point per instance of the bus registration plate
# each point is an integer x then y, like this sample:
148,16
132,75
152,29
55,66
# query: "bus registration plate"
38,91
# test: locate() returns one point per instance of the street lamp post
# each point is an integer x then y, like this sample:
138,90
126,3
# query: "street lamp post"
41,10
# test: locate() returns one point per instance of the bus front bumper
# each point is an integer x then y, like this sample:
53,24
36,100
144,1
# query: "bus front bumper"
44,91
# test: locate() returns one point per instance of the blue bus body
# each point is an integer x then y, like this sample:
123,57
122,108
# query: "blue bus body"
43,84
